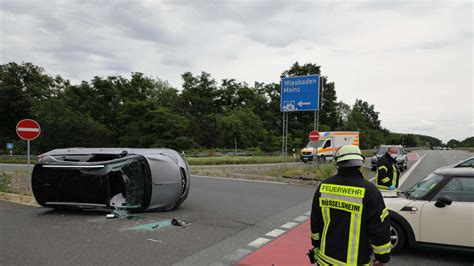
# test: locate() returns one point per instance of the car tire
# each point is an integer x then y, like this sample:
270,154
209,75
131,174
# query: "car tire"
397,236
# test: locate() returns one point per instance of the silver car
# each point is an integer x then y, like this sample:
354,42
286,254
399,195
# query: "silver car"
111,178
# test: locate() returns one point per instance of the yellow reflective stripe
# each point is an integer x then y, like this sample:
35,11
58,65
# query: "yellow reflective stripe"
326,219
330,260
351,191
385,180
315,236
382,187
354,235
350,243
395,174
342,205
384,214
383,249
346,198
321,262
382,167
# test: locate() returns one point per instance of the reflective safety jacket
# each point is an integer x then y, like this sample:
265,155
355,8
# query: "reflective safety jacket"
349,221
387,173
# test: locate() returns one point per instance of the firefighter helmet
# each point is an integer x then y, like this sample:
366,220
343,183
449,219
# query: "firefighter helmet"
349,156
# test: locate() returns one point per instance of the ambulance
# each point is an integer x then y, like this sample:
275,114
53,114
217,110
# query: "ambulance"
327,145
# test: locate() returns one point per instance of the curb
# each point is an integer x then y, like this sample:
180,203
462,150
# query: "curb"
20,199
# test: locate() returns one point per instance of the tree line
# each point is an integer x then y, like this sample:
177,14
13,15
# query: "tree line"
141,111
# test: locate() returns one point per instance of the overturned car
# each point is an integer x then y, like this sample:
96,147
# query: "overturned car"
111,178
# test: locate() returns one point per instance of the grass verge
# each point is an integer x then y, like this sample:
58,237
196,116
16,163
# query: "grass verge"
221,160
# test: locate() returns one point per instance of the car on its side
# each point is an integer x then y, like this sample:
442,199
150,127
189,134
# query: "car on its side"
111,178
436,212
401,158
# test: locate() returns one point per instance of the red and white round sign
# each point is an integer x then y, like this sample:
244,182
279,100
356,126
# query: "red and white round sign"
313,135
28,129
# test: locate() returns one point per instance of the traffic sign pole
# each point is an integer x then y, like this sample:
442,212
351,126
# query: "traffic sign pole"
28,130
28,148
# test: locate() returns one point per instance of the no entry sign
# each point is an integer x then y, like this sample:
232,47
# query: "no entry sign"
313,135
28,129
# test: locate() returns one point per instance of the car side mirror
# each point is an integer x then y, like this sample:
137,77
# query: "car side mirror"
443,201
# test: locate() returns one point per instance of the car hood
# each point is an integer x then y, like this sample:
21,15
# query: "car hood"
393,202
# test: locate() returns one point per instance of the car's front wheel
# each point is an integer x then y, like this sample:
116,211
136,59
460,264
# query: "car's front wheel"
397,237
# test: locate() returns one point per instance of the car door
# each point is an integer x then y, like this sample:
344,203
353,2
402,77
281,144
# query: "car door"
450,224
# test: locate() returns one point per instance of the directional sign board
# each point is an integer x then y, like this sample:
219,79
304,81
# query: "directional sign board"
28,129
300,93
9,146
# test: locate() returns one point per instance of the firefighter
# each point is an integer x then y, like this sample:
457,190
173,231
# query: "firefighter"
349,220
387,172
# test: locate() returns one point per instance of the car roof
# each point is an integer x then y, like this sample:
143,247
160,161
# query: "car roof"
80,151
452,171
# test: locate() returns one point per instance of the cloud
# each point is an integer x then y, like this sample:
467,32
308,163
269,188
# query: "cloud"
411,59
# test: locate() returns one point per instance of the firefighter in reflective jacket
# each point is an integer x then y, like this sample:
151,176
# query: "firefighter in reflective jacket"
349,220
387,173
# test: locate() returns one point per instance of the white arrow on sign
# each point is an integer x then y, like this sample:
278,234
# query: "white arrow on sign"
301,103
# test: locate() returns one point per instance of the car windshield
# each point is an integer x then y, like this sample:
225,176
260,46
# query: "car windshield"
422,188
314,144
467,163
382,150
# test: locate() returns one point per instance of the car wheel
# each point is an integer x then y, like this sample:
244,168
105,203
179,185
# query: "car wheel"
397,237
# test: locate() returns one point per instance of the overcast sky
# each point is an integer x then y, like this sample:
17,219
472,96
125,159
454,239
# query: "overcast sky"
411,59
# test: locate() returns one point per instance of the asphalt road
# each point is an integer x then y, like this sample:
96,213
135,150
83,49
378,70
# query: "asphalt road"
216,208
225,216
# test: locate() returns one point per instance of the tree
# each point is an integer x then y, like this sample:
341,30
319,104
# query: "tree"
145,125
453,143
240,125
63,127
199,100
21,87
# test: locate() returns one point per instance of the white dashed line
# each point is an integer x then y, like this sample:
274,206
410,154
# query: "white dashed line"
275,233
258,242
289,225
301,218
239,254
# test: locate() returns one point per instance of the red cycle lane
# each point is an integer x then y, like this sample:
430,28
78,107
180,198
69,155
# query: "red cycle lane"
288,249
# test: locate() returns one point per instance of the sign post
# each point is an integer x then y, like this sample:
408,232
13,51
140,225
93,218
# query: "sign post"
10,148
300,93
28,129
314,136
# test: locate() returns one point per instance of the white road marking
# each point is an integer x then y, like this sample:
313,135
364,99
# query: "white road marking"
275,233
239,179
28,129
308,213
412,168
301,218
289,225
258,242
239,254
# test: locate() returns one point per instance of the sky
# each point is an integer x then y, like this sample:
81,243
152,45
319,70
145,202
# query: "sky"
411,59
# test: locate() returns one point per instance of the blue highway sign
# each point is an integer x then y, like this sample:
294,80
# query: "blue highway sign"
9,146
300,93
